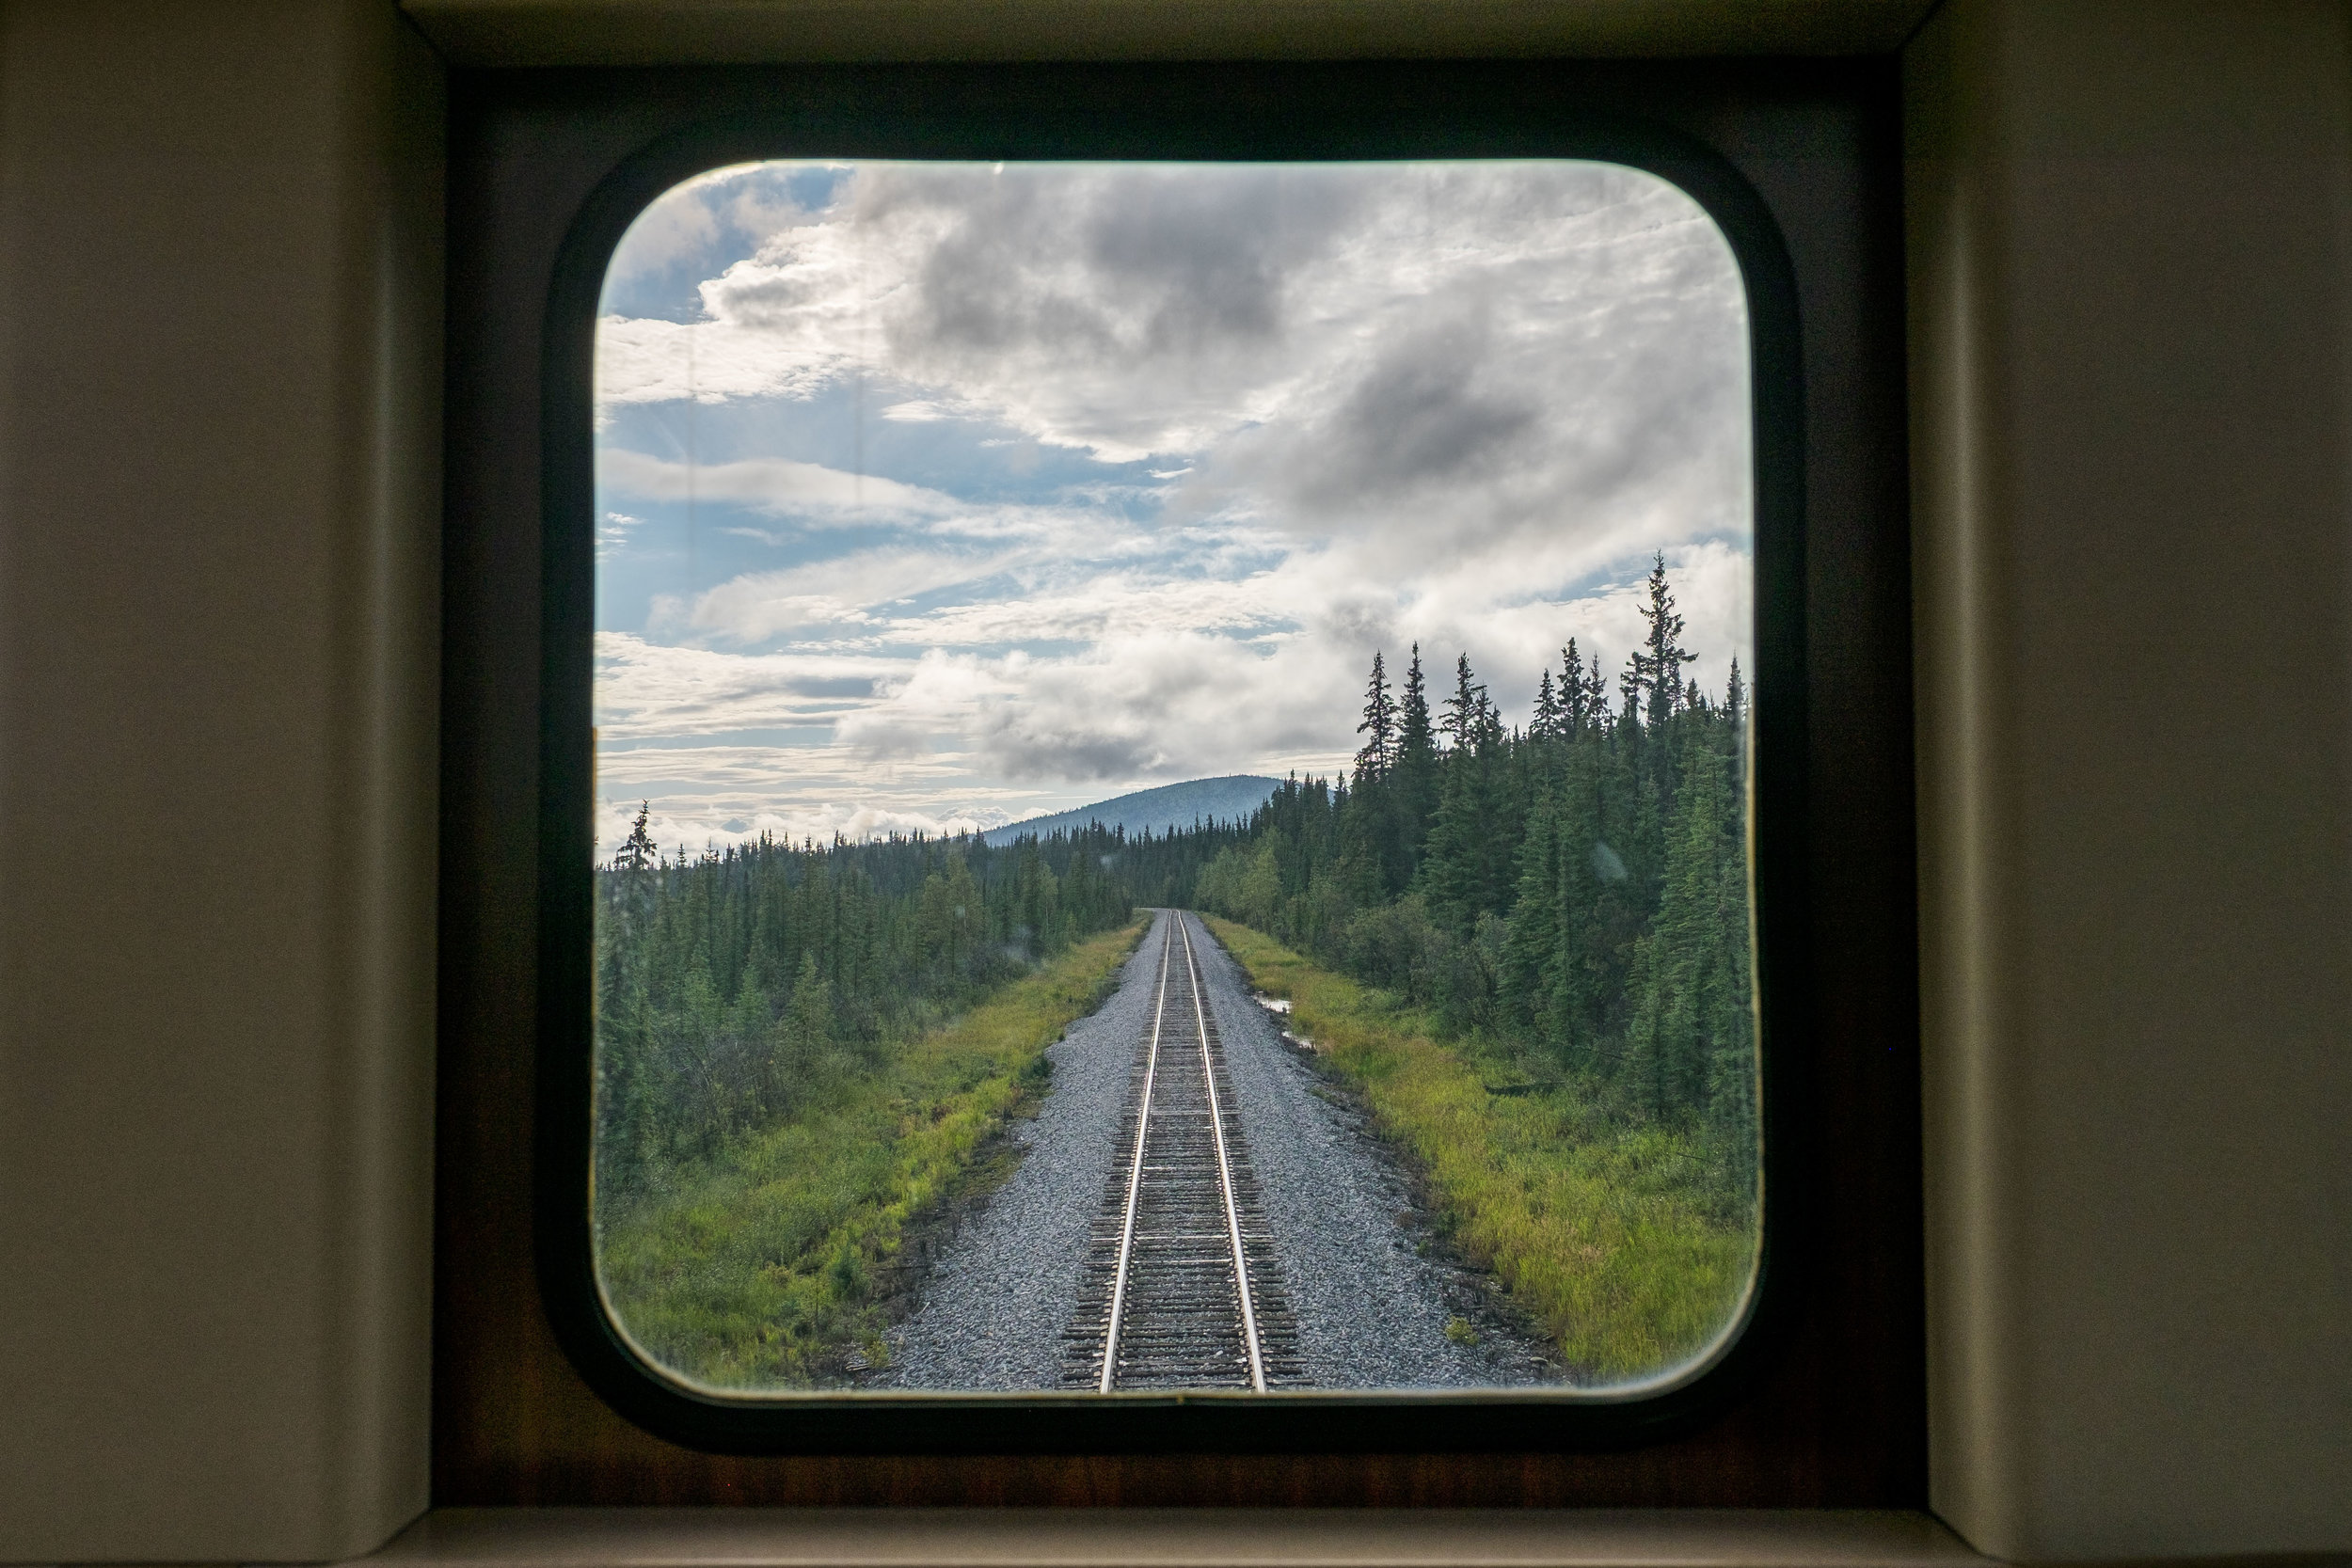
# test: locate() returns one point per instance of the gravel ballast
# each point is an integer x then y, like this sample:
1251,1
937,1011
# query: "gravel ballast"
1373,1297
994,1306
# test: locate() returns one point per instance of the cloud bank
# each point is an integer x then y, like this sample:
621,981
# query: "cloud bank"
951,493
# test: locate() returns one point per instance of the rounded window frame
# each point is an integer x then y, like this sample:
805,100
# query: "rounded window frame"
1015,122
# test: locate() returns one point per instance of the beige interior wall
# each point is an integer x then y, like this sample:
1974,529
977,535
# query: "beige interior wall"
2131,237
218,355
220,514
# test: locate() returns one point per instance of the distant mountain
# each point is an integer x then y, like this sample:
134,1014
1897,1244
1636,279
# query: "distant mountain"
1176,805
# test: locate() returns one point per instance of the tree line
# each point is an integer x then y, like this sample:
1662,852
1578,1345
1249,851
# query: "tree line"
735,985
1577,888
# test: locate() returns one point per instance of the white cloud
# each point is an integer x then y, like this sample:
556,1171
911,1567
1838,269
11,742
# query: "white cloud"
919,411
1400,403
646,690
676,227
1074,604
647,360
1129,309
812,496
776,485
612,530
848,591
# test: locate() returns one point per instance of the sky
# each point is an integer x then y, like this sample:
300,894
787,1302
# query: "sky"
937,496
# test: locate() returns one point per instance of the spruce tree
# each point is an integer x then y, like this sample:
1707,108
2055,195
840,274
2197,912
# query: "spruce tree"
1656,668
1415,776
638,852
1736,728
1574,699
1464,709
1450,859
1469,863
1378,728
1545,724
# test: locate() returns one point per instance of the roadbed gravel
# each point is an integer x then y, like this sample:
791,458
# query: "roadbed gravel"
1372,1285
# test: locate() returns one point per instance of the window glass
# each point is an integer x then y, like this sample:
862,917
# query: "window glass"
1171,779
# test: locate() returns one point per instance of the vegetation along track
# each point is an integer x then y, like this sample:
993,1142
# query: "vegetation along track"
1180,1287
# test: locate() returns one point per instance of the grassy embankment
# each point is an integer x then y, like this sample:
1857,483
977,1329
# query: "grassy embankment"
759,1268
1599,1230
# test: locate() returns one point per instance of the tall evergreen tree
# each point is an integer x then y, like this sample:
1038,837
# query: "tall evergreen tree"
1547,722
1378,728
638,852
1415,775
1657,667
1468,864
1465,709
1574,699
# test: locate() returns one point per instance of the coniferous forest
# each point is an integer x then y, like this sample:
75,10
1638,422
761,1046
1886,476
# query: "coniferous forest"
1570,896
734,985
1577,888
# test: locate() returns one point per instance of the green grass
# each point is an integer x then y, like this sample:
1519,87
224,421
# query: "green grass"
760,1268
1601,1232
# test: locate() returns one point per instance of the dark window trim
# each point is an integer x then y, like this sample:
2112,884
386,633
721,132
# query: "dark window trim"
657,130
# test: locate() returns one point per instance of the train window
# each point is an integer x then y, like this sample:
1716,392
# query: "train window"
1170,807
1178,769
1052,936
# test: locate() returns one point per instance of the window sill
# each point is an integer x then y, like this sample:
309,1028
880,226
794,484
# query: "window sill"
1175,1538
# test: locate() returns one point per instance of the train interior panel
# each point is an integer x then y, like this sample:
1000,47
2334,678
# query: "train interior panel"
1090,781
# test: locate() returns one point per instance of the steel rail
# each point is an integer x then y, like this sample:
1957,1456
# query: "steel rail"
1224,1170
1134,1177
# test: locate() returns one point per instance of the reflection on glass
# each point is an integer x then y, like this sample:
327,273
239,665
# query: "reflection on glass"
1172,803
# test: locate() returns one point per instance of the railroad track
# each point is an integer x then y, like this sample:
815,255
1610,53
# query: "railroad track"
1180,1287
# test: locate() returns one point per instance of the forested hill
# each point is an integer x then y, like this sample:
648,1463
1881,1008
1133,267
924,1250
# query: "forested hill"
1579,887
1178,806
